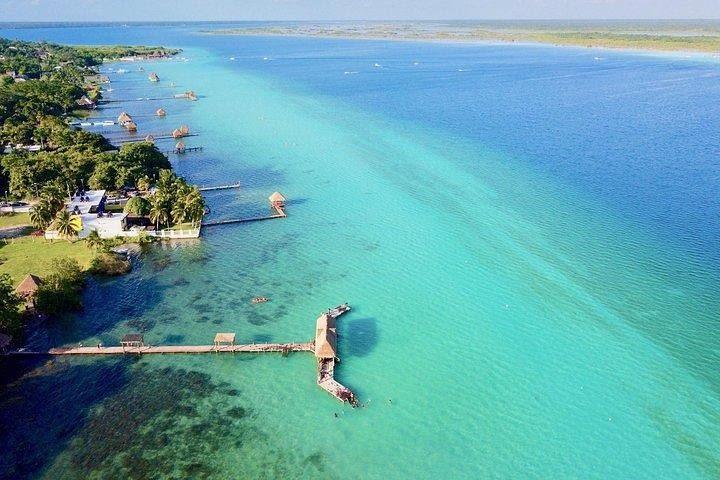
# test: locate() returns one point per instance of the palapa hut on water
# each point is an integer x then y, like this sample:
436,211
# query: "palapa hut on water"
325,337
181,132
160,112
224,339
150,139
153,77
123,118
132,340
277,200
131,126
180,147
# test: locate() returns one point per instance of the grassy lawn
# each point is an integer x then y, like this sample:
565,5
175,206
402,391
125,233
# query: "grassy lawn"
24,255
183,226
14,219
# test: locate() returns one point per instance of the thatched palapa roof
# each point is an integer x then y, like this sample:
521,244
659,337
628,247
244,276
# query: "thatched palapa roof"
150,139
224,338
124,117
276,197
160,112
325,337
28,286
131,126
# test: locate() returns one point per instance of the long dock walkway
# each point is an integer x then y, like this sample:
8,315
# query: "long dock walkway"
324,347
220,187
162,349
280,214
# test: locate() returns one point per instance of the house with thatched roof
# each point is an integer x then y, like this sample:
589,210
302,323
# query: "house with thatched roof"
185,130
85,102
325,337
160,112
150,139
277,200
28,288
224,339
131,126
180,147
177,133
123,118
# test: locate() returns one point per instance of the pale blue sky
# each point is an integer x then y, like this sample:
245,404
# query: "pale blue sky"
150,10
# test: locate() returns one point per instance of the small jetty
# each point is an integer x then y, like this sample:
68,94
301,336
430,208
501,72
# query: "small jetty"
181,150
220,187
277,203
324,347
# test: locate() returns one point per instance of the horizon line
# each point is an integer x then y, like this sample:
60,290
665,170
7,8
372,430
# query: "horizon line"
609,19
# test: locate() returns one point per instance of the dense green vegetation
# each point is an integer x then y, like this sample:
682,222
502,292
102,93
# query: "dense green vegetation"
61,289
10,317
40,85
175,201
110,264
34,109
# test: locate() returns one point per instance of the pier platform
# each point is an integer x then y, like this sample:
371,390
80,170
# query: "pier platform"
324,348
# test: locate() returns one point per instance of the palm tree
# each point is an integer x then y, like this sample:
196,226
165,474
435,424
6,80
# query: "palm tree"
158,211
68,225
94,241
194,205
143,183
41,215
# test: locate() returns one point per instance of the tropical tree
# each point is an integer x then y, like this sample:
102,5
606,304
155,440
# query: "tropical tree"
137,206
94,241
144,183
194,205
41,215
67,225
10,317
159,212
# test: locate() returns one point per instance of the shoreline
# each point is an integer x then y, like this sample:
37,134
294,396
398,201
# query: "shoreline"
699,53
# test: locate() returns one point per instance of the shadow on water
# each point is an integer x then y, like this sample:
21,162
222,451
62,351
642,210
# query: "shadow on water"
32,431
360,336
262,338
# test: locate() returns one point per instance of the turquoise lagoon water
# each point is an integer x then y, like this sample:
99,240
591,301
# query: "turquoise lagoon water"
528,236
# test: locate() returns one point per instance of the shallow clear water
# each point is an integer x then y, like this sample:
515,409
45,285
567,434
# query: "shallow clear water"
528,236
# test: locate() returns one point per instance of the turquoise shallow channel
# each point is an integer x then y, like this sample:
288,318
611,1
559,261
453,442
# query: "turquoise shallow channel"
528,237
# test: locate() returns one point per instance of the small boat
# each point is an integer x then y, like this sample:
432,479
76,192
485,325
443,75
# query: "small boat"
257,300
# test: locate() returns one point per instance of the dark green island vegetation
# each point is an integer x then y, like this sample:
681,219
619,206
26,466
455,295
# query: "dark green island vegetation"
44,159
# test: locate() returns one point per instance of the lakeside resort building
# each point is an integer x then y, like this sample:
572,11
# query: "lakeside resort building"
91,208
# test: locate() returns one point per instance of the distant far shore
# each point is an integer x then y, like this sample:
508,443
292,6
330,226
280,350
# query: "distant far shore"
665,36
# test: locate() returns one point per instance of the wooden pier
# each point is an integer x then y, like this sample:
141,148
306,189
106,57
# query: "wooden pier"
324,347
183,151
220,187
162,349
159,136
277,203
